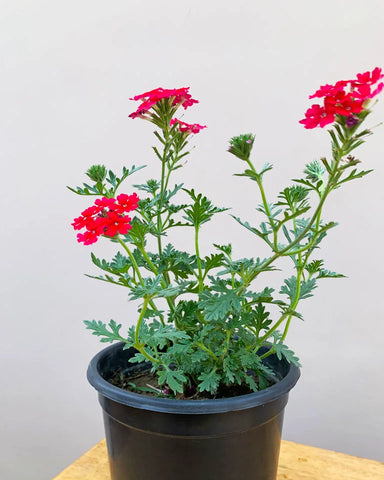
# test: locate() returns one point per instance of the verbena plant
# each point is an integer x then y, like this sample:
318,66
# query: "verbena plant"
201,323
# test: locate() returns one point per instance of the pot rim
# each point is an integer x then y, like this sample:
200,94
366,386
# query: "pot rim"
190,407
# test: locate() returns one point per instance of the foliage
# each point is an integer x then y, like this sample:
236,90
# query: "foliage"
203,319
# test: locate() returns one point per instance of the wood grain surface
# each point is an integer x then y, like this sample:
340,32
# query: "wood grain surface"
297,462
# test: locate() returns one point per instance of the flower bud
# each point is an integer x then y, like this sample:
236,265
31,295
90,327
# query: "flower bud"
241,146
97,173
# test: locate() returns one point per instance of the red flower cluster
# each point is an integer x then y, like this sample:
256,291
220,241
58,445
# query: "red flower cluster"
186,127
346,98
105,217
180,97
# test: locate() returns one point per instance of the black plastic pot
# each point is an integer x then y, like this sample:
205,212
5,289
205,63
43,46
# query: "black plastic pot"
151,438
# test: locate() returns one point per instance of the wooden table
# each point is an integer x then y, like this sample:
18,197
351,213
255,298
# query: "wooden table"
297,462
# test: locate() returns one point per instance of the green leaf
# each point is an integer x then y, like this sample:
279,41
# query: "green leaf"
181,264
158,335
151,186
306,288
262,234
294,197
261,317
213,261
251,382
209,381
314,267
201,210
226,249
282,350
103,264
260,297
152,288
314,171
218,306
100,329
184,315
354,175
173,378
122,280
328,274
115,182
120,263
139,230
87,190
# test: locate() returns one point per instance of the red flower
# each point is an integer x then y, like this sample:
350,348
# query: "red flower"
87,238
186,127
105,202
126,203
327,90
115,223
342,104
180,96
316,116
105,217
370,77
346,98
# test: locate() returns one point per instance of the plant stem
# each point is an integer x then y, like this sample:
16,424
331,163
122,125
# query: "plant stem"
315,218
171,303
206,349
137,271
259,182
132,258
198,258
138,345
160,206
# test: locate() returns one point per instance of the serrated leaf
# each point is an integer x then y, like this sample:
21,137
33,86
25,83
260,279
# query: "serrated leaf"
173,378
354,175
215,260
152,288
262,234
181,264
226,249
328,274
151,186
160,335
314,266
100,329
219,305
201,211
209,381
314,171
290,286
282,350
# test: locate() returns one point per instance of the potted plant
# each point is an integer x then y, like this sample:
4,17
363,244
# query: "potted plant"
197,388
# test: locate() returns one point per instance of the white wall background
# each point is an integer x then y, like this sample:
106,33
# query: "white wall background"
67,72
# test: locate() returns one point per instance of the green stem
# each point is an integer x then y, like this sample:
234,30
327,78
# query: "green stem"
201,318
137,271
138,345
315,218
206,349
228,332
294,242
171,302
132,258
198,258
265,202
160,206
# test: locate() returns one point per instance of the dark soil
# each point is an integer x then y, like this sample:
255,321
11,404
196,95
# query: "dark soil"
145,383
